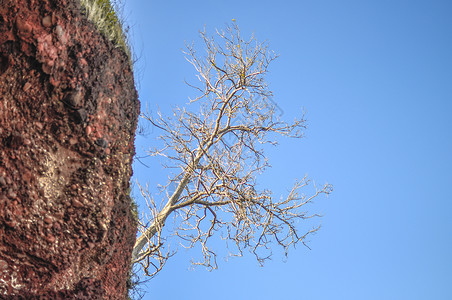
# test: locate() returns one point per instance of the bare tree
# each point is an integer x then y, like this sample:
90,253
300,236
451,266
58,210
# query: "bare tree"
217,154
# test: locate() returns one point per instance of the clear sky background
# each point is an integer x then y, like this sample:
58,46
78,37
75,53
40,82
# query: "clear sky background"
375,78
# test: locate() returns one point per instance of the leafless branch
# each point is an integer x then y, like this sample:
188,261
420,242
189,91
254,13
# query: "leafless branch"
218,153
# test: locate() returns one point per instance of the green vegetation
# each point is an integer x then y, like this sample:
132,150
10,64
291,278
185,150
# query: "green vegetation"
135,286
133,283
104,16
133,205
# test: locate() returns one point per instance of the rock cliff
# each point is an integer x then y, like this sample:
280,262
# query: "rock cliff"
68,114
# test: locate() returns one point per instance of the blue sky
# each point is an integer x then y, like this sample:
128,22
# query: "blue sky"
375,79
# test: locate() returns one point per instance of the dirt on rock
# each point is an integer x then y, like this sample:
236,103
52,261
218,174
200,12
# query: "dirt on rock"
68,114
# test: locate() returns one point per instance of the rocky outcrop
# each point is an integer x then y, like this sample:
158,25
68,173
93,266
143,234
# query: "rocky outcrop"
68,114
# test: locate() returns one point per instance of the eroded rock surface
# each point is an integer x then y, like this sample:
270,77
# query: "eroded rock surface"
68,114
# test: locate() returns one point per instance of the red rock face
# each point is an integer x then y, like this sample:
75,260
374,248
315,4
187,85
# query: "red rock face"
68,114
